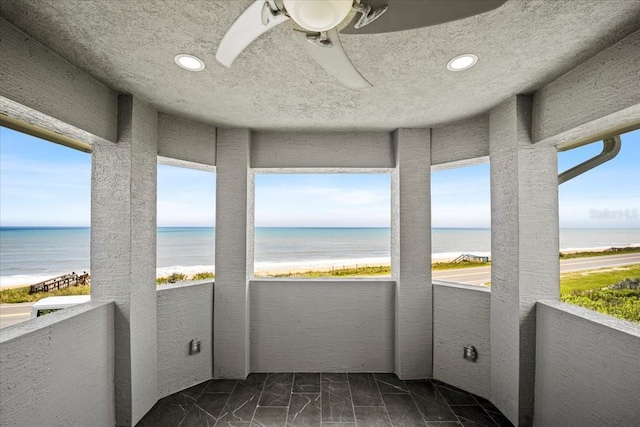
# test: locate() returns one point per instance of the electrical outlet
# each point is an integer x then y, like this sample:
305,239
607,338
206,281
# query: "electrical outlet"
194,346
470,353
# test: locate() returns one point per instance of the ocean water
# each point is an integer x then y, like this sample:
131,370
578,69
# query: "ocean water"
29,255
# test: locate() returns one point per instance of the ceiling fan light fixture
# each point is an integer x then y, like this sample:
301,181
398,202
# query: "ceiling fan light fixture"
318,15
189,62
462,62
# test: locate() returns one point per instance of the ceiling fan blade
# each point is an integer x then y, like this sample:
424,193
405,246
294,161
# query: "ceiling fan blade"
409,14
334,60
248,27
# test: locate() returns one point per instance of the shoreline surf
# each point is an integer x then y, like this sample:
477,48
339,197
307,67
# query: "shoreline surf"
264,269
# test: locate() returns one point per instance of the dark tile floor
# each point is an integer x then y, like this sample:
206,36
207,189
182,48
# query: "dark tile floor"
327,400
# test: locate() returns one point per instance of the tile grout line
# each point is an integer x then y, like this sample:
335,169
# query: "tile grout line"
303,393
320,420
321,406
447,403
194,404
293,381
353,410
439,393
368,406
426,423
208,413
226,402
384,405
264,384
495,424
486,411
185,415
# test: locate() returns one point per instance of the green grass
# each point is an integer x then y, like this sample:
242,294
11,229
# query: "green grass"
21,294
17,295
603,290
589,289
380,270
203,276
179,277
597,290
386,270
377,270
461,264
612,251
173,278
596,279
623,304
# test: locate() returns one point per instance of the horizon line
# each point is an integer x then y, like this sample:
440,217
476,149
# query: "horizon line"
305,226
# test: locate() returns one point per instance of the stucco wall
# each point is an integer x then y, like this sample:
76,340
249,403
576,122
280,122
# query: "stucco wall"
461,316
599,97
57,370
123,251
36,77
330,326
460,143
524,252
185,312
587,368
321,149
411,253
183,142
234,190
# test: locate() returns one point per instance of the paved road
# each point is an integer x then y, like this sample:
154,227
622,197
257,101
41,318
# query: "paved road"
15,313
481,275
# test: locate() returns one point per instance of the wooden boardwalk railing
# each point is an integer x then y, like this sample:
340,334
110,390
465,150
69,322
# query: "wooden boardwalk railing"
471,258
61,282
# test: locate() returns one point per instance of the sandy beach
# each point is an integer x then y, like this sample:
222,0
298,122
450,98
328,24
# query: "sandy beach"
436,258
303,267
321,269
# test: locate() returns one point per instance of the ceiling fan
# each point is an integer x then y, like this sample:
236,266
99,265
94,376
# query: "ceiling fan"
316,24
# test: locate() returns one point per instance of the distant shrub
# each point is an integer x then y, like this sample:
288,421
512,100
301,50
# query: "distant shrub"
621,303
203,276
18,295
610,251
173,278
630,283
459,264
179,277
381,270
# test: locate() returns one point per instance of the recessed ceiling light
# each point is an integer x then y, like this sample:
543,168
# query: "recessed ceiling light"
462,62
189,62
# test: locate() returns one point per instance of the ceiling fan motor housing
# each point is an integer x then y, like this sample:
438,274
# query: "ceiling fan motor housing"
318,15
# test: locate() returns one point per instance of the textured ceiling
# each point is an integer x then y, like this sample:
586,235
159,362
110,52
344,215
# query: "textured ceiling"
129,45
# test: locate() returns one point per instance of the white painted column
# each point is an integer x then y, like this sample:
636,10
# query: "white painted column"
411,253
233,265
524,249
123,252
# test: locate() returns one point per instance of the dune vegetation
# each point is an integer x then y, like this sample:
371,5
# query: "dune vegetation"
613,291
16,295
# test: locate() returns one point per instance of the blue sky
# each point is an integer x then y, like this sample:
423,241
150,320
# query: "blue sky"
323,200
44,184
186,197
